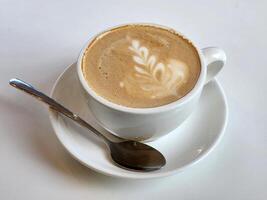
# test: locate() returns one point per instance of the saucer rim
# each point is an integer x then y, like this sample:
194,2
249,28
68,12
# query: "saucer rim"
138,175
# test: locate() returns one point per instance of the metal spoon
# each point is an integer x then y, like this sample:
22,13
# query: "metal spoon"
126,153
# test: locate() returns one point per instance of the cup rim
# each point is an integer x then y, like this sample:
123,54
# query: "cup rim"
151,110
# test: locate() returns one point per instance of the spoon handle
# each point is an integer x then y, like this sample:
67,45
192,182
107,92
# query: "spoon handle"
19,84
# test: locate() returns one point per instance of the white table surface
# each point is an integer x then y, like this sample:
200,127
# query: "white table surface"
39,39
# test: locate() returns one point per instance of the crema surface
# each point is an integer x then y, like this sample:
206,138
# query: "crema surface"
141,66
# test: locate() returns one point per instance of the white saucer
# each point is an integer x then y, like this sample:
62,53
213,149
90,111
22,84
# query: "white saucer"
182,148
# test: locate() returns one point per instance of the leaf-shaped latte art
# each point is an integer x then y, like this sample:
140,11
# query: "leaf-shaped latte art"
154,79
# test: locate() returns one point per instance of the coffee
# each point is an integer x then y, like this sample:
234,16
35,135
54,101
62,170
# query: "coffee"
141,66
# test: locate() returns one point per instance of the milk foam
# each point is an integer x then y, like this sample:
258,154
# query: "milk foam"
154,78
141,66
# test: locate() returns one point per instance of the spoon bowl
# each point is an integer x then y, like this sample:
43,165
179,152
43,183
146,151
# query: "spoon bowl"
136,155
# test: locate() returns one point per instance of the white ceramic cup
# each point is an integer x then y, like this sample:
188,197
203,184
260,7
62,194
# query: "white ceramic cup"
146,124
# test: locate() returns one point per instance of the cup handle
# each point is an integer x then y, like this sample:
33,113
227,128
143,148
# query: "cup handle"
215,59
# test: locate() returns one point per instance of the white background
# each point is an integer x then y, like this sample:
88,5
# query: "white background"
39,39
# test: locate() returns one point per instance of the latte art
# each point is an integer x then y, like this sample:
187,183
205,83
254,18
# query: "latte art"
155,78
141,66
